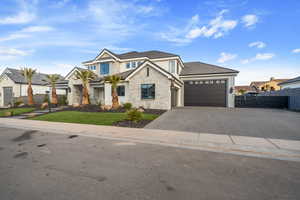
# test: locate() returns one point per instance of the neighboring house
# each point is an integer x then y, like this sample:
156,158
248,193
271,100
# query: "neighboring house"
244,89
13,84
291,83
154,79
271,85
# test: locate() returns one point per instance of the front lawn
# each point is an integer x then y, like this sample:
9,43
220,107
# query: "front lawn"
97,118
16,111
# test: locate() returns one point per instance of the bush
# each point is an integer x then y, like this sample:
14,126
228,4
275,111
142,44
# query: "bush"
63,100
127,106
46,98
18,102
134,115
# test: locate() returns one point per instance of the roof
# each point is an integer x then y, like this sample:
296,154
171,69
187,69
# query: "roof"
244,87
258,83
135,54
16,76
290,81
194,68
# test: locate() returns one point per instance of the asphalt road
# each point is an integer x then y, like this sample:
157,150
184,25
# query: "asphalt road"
253,122
45,166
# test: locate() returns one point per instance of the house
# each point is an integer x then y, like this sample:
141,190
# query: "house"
271,85
154,79
13,84
244,89
291,83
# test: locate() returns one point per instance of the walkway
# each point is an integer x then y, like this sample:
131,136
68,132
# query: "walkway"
241,145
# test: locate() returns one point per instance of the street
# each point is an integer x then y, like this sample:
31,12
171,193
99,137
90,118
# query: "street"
48,166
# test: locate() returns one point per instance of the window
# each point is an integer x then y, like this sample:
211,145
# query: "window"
147,71
148,91
139,62
93,67
104,68
133,64
172,66
121,90
128,65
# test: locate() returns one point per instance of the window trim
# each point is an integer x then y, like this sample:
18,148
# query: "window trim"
172,66
150,97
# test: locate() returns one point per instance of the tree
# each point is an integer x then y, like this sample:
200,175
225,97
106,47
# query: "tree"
85,76
242,91
52,79
114,80
28,74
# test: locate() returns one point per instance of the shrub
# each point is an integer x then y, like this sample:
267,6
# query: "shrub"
63,100
18,102
127,106
46,98
134,115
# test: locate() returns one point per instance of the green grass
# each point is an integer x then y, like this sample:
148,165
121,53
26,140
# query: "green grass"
16,111
97,118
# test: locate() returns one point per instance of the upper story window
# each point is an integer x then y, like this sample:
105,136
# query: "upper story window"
172,66
104,68
133,64
92,67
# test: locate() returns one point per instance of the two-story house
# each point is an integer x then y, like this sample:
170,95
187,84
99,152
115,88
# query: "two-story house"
154,79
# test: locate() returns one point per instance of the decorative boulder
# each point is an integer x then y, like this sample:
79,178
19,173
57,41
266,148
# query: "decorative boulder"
141,109
107,107
76,105
21,105
44,105
8,113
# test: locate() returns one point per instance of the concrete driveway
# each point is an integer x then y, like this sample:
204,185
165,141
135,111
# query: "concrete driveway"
268,123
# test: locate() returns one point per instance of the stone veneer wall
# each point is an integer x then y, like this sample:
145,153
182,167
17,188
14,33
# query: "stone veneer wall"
162,89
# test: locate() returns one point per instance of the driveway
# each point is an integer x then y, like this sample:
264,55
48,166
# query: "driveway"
269,123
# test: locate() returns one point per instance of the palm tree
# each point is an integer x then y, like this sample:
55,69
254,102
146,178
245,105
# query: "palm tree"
114,80
28,74
85,76
52,79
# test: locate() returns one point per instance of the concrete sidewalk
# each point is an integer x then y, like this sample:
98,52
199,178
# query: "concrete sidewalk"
241,145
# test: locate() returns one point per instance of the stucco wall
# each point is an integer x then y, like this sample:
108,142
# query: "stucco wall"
162,89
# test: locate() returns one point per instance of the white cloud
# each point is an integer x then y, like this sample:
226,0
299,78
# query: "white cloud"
215,28
224,57
12,53
259,56
249,20
21,18
14,36
258,44
296,51
34,29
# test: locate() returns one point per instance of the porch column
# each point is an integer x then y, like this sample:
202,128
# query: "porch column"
107,94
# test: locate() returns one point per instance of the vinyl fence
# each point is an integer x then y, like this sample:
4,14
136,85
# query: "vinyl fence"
261,101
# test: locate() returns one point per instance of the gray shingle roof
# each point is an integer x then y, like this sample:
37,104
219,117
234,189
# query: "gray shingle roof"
17,77
134,54
193,68
290,80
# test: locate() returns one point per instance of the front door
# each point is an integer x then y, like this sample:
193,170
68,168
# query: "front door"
7,96
174,93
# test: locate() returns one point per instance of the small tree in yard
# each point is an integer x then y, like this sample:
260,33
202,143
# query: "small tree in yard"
52,79
114,80
242,91
28,74
134,115
85,76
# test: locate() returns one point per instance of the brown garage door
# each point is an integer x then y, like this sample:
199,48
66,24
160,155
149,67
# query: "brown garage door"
205,93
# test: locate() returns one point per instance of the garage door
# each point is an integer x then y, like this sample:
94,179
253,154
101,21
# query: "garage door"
205,93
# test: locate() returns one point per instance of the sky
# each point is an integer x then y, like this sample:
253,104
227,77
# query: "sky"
260,38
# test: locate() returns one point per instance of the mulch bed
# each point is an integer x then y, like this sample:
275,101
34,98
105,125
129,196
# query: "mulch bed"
95,108
130,124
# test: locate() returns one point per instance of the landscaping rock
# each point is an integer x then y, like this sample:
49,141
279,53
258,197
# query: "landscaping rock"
107,107
8,114
44,105
21,105
76,105
141,110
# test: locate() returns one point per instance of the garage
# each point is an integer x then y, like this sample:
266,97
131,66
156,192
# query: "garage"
205,93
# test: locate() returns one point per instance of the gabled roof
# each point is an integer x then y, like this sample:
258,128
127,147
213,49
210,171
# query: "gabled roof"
257,83
134,54
199,68
290,81
16,76
244,87
75,68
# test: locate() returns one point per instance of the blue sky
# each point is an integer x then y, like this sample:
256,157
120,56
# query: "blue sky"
260,38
